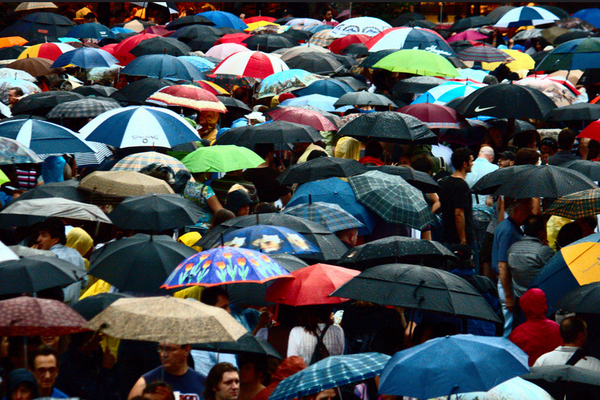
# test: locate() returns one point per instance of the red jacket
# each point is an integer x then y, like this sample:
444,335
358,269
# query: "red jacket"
288,367
538,335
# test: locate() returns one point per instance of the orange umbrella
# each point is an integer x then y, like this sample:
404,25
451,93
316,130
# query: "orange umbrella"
12,41
51,51
213,88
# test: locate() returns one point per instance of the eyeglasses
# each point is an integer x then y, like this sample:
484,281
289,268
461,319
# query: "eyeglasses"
167,349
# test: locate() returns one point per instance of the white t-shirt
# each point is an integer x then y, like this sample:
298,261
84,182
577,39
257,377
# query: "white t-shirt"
561,355
302,343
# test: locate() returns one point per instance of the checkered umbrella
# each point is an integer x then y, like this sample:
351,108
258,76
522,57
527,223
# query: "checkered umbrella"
137,161
329,373
394,199
576,205
322,38
330,215
84,108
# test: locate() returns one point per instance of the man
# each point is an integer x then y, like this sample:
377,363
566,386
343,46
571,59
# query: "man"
574,333
44,365
175,371
14,95
566,139
328,19
222,382
253,369
349,237
506,159
222,185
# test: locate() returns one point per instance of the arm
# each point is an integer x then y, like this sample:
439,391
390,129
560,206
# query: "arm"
214,204
537,206
436,202
500,209
459,220
506,279
137,389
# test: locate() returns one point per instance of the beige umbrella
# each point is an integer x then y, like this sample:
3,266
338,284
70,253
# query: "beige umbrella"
310,48
34,5
167,319
123,184
30,211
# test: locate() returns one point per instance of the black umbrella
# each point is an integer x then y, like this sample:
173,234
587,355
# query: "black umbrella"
389,126
416,84
460,45
566,381
565,37
197,19
575,112
248,343
354,83
320,168
374,57
421,23
39,24
283,21
203,43
489,183
137,92
506,101
364,98
288,261
11,53
35,273
66,190
297,34
317,63
499,12
356,49
404,18
95,90
396,249
234,103
419,288
155,212
277,132
42,39
588,168
140,263
269,42
584,299
91,306
559,12
454,102
470,22
190,32
41,103
421,180
161,45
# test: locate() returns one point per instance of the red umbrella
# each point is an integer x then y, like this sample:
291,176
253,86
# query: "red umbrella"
467,35
110,48
233,38
30,316
121,51
303,116
188,96
312,285
340,44
435,115
591,131
158,30
251,20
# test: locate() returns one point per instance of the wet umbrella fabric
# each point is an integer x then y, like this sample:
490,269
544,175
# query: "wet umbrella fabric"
13,152
91,306
583,299
248,343
576,205
586,167
363,98
575,112
269,239
137,92
326,87
321,168
66,189
160,45
277,132
305,117
41,103
84,108
421,180
91,30
39,24
332,216
565,381
163,66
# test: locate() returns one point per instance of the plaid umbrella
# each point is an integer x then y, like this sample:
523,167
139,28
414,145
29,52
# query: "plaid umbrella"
137,161
576,205
322,38
330,215
394,199
84,108
329,373
34,5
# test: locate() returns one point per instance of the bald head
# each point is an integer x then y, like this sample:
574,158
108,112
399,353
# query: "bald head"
486,152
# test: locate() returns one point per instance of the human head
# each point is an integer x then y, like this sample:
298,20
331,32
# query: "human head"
462,159
221,216
80,240
374,149
424,163
216,296
328,15
158,390
21,385
566,138
14,95
568,234
44,365
349,236
519,209
507,159
327,394
222,382
89,17
527,156
173,356
548,148
51,232
535,226
238,202
582,148
573,331
255,118
253,368
264,150
486,152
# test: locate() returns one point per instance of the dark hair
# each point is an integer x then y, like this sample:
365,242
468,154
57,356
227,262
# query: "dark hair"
550,142
17,90
316,154
534,225
221,216
571,327
153,386
460,156
507,155
310,316
42,350
214,377
527,156
261,365
210,295
265,208
423,163
374,149
55,228
566,138
568,234
263,149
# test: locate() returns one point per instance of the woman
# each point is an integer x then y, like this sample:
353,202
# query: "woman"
202,194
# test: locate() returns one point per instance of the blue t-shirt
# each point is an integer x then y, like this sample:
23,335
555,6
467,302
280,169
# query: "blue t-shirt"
57,394
505,235
190,385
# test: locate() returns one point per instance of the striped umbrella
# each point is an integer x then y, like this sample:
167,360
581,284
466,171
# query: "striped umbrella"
188,96
367,25
525,16
222,51
213,88
50,51
410,38
137,161
253,64
447,91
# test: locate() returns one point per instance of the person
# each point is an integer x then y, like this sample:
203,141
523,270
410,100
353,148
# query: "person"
81,241
264,177
506,159
222,382
14,95
202,194
573,331
253,370
208,122
328,19
21,385
349,237
289,366
373,154
568,234
174,371
538,335
44,365
238,202
255,118
222,185
566,139
158,390
548,147
90,17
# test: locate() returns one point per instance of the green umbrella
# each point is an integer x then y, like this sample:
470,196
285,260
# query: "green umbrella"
221,158
418,62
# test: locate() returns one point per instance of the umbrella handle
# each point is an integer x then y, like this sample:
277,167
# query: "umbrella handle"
453,391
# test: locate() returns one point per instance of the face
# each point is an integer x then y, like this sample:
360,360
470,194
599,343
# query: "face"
51,340
244,210
546,151
45,370
13,98
328,394
328,15
228,387
223,302
172,356
22,392
470,164
45,241
248,373
505,162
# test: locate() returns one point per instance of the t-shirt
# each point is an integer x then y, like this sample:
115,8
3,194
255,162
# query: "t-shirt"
507,233
189,385
455,193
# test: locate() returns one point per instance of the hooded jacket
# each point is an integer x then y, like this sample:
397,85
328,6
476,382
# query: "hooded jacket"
288,367
21,376
538,335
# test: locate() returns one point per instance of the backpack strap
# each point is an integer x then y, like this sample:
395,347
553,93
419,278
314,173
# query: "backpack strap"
578,355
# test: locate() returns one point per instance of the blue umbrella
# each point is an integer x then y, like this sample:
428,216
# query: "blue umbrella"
331,372
201,63
326,87
582,53
285,81
330,215
44,137
118,29
335,191
316,28
591,15
451,365
86,57
269,239
163,66
223,19
319,101
91,30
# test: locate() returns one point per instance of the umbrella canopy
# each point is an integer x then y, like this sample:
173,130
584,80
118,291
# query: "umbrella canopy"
418,62
188,96
163,66
139,263
435,116
91,306
277,132
525,16
50,51
307,48
317,63
327,87
197,19
421,180
137,161
576,205
363,98
466,35
389,126
410,38
274,113
253,64
486,54
498,12
320,168
222,51
201,63
191,32
29,316
121,50
39,25
330,372
225,265
85,108
520,61
583,299
366,25
247,344
13,152
471,22
12,41
167,319
332,216
305,117
135,126
35,66
28,6
580,53
269,42
586,167
323,38
224,19
41,103
269,239
155,212
91,30
447,91
311,286
338,45
123,184
137,92
11,53
564,381
467,363
160,45
66,190
221,158
317,101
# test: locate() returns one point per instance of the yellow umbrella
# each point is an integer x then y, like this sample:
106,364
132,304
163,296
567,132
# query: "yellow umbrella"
521,61
255,25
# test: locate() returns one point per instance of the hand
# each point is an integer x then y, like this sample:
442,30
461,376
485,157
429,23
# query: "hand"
510,303
265,318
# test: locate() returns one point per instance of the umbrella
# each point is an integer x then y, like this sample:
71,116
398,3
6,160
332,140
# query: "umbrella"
311,286
303,21
448,91
332,216
329,373
139,263
29,212
307,48
277,132
498,12
317,63
410,38
305,117
160,45
135,126
374,57
35,66
550,34
520,61
39,25
155,212
322,38
121,50
253,64
591,15
570,35
512,389
389,126
417,84
435,116
95,90
471,22
12,41
583,299
467,36
576,205
486,54
421,180
66,190
364,98
467,363
528,34
525,16
50,51
506,101
268,42
229,82
123,184
13,152
586,167
91,30
320,168
197,19
29,316
201,63
355,49
41,103
222,51
418,62
135,25
247,343
338,45
28,6
396,249
137,161
190,32
406,17
32,274
318,101
188,96
221,158
202,44
11,53
580,53
565,381
91,306
162,66
224,19
591,131
137,92
166,319
44,137
366,25
274,112
225,265
233,38
85,108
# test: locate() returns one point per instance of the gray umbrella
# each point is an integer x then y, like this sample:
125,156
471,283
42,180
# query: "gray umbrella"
364,98
248,343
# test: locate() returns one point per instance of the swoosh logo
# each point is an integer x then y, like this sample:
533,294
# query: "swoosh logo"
478,109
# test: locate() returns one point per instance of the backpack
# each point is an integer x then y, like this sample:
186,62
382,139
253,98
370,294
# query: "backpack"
321,351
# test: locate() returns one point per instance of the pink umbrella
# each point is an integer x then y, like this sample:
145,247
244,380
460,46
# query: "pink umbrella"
252,64
435,115
467,35
305,117
158,30
222,51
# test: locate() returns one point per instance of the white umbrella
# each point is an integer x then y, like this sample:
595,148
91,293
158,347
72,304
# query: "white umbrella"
28,212
6,253
17,74
525,16
365,25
